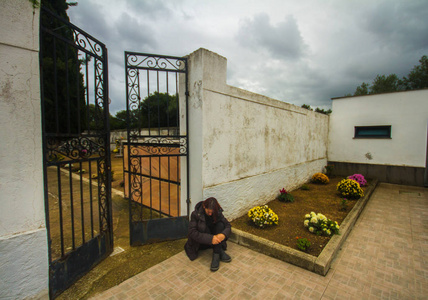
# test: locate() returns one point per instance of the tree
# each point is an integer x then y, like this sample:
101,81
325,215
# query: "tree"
318,110
63,88
323,111
307,106
156,110
384,84
363,89
118,121
418,77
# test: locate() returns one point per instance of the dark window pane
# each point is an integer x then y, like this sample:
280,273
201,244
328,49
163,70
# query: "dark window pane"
372,131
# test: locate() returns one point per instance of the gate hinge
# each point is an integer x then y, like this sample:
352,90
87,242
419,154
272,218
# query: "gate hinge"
187,93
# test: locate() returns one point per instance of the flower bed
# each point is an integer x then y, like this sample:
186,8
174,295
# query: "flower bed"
324,199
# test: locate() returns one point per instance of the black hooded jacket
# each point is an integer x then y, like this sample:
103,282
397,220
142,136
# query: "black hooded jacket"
199,232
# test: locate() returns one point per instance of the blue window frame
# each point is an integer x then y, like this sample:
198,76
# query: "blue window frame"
372,132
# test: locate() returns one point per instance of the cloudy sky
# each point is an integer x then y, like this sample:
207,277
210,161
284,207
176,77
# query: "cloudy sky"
300,52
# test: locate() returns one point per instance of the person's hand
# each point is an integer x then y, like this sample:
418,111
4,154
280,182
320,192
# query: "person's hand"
216,240
221,237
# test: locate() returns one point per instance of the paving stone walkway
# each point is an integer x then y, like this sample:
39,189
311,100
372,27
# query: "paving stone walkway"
384,257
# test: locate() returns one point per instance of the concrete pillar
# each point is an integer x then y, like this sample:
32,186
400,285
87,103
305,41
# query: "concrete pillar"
207,71
23,238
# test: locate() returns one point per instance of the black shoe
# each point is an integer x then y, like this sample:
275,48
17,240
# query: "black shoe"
224,256
215,263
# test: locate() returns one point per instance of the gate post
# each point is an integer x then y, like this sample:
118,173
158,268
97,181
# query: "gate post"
207,71
23,237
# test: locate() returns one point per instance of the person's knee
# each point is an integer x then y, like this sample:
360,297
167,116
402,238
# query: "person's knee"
219,227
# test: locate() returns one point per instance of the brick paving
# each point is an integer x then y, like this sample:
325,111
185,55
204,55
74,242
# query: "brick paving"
384,257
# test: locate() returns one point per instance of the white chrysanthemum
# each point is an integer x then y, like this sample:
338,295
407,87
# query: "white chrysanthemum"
337,226
321,217
328,232
306,223
311,229
307,216
314,220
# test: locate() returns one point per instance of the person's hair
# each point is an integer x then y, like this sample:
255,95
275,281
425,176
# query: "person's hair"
212,203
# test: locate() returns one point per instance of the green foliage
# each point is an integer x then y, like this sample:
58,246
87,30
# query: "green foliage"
63,88
326,112
417,79
350,188
35,3
344,204
384,84
263,216
381,84
285,196
303,244
319,110
307,106
305,187
329,170
362,89
117,123
156,110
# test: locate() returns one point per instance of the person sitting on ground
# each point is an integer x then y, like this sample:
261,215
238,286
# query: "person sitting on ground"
208,228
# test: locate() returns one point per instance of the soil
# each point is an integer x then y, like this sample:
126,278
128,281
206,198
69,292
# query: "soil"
320,198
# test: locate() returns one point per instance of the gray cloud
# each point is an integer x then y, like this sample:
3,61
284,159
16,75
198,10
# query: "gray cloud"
318,51
152,9
283,40
402,25
135,33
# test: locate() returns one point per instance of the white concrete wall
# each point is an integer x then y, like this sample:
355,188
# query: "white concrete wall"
244,147
23,242
406,112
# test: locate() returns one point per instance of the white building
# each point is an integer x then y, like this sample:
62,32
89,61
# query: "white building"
382,136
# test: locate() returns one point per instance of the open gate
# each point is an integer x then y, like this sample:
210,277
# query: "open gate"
156,149
76,153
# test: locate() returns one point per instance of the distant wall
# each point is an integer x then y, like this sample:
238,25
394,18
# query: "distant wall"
121,134
23,237
244,147
400,159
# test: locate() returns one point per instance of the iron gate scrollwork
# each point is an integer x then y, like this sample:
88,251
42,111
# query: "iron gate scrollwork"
76,153
156,93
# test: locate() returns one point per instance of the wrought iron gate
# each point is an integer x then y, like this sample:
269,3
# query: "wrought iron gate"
76,153
155,147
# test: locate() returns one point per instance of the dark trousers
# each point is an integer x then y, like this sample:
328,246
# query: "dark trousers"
214,229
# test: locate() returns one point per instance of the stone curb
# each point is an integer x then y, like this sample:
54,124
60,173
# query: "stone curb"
320,264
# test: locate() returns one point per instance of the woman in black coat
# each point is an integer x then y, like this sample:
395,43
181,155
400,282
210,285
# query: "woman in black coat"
208,228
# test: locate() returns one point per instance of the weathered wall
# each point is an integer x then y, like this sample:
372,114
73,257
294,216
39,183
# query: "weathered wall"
250,145
23,242
406,150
